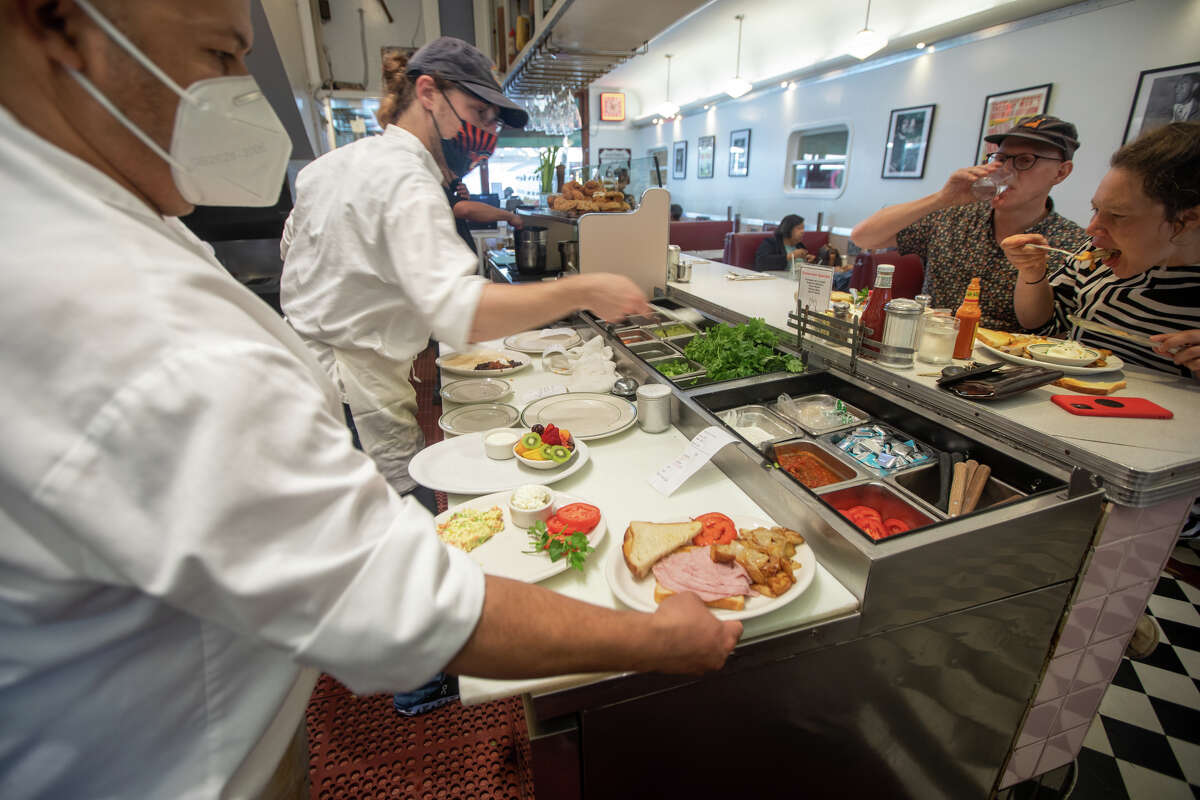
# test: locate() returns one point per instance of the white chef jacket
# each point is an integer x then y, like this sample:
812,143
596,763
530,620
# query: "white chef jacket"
373,266
184,524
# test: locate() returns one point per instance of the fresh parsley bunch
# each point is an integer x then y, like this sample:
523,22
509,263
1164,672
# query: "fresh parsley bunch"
739,351
573,547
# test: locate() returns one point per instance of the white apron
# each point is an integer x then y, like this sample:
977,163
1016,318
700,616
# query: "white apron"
383,404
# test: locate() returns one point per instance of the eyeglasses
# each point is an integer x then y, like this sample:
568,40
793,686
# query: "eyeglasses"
1019,161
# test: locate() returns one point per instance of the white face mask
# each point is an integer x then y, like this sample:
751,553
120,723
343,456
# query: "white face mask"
228,147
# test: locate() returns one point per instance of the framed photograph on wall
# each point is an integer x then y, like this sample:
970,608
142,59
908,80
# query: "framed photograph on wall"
739,153
907,142
679,160
612,106
1001,111
1167,94
706,150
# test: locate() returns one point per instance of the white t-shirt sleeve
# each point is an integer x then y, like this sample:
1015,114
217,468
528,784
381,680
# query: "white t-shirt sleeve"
432,264
221,481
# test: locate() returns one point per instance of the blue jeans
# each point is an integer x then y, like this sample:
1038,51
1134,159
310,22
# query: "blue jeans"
442,689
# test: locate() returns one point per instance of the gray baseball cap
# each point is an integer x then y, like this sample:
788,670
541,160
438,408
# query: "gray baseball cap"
466,66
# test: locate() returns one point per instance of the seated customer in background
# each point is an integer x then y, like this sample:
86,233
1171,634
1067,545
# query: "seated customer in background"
774,251
959,236
676,212
1146,212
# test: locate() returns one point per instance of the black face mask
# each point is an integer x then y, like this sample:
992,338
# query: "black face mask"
468,147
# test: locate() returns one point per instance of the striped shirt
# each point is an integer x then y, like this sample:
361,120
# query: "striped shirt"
1159,300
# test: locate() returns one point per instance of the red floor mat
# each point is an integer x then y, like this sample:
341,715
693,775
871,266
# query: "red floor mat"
361,749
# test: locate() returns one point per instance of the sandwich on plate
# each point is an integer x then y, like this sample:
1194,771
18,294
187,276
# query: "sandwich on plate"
723,570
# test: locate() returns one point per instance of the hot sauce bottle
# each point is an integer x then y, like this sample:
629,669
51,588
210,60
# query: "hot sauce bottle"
872,315
968,314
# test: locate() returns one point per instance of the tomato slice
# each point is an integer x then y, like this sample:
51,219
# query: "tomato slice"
580,517
717,529
894,525
555,525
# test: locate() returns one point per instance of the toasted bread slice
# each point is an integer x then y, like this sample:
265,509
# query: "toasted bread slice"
646,542
993,338
734,603
1089,387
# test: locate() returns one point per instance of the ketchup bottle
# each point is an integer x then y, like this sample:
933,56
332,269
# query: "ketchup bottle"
872,315
968,315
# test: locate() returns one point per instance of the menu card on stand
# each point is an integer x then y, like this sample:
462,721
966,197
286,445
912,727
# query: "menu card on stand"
816,285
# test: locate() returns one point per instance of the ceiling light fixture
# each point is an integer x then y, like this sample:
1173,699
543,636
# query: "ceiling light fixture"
920,45
785,84
929,49
668,109
867,41
738,86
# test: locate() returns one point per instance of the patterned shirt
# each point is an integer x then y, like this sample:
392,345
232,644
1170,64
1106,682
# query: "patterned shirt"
1159,300
959,243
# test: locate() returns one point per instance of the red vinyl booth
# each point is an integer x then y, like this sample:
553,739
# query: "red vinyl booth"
907,280
702,235
741,247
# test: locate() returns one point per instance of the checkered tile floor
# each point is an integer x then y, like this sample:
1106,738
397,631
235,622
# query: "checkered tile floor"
1145,742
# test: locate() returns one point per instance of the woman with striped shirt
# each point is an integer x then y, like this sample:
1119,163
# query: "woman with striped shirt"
1146,213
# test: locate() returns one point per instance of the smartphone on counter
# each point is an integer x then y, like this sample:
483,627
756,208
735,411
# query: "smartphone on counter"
1086,405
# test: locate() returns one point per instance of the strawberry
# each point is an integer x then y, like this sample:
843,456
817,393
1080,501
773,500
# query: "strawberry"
550,435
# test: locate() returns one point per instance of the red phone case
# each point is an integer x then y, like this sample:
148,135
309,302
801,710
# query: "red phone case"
1086,405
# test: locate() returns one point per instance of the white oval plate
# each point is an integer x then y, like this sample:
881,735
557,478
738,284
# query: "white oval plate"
478,417
587,415
460,466
1114,363
476,390
502,554
639,595
485,373
536,342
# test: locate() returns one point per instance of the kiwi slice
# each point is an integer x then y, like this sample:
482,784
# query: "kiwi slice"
531,441
559,454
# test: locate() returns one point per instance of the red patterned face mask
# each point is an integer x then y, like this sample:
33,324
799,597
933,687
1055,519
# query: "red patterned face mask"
468,147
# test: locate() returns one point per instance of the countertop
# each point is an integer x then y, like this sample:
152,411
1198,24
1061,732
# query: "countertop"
615,480
1136,456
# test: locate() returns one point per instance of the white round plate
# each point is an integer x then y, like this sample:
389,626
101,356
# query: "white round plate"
478,417
486,373
1114,363
460,466
536,342
587,415
639,595
476,390
503,555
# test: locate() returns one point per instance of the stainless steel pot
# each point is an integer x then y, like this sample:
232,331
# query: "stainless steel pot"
568,254
531,249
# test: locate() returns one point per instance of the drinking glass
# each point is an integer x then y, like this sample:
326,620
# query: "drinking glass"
936,335
992,185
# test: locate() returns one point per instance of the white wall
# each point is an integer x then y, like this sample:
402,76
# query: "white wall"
1092,59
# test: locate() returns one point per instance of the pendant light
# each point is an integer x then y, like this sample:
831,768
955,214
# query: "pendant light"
668,109
866,42
738,86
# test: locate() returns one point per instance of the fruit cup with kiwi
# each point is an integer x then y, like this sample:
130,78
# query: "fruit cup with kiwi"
546,443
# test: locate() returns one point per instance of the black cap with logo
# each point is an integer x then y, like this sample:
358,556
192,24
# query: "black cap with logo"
466,66
1045,129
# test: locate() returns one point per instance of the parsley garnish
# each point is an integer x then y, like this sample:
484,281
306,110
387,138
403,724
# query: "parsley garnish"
739,351
574,547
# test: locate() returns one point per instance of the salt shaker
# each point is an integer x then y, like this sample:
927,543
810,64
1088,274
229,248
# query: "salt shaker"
899,332
654,407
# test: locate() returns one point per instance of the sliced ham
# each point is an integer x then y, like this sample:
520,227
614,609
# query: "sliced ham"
695,571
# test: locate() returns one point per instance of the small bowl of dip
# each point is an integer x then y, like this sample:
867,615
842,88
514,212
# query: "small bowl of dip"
529,504
1066,354
498,442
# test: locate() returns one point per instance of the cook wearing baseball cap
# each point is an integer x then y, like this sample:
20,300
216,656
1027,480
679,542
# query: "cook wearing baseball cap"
455,60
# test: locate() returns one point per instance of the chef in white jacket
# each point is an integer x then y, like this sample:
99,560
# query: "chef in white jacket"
373,265
186,532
